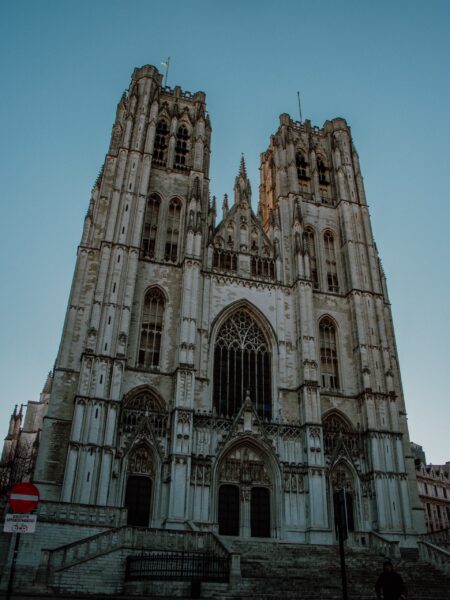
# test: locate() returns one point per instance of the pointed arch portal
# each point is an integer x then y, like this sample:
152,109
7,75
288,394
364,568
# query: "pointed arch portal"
139,487
245,493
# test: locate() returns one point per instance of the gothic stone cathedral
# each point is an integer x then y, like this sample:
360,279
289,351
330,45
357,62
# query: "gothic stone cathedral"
232,375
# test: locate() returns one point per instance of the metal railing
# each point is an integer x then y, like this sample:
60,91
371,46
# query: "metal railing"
177,565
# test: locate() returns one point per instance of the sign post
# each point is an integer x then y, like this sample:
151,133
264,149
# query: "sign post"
23,498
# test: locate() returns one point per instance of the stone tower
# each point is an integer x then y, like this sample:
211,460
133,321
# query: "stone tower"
159,149
236,374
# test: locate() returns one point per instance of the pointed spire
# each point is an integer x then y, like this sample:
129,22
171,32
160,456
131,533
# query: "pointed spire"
213,204
242,187
225,205
242,169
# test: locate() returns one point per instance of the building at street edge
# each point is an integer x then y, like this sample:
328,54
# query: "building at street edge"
434,490
228,375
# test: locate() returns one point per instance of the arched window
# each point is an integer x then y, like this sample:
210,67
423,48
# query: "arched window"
181,148
302,167
330,260
310,245
161,143
323,171
334,427
242,364
328,354
173,230
261,266
225,260
150,226
143,403
151,329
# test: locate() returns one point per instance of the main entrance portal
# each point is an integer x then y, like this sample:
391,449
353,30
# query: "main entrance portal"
244,495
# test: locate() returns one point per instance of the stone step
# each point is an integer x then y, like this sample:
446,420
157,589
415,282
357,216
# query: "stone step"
288,571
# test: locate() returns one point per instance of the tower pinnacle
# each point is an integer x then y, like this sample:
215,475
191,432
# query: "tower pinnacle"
242,169
242,187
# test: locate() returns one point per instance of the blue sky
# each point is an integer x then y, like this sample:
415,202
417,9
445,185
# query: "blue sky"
381,65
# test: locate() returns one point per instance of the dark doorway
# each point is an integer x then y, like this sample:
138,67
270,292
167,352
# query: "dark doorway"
345,505
138,499
260,512
228,514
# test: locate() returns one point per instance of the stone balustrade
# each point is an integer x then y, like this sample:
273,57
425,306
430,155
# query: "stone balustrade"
438,538
131,538
383,546
438,557
82,514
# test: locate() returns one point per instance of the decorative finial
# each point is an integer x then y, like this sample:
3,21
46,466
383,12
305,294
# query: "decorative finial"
242,169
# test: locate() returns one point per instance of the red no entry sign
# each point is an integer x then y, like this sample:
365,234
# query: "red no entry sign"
23,497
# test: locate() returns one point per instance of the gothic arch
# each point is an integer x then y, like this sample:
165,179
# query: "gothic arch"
135,393
340,415
264,472
156,286
329,231
254,356
312,227
142,461
142,342
156,193
344,476
332,356
254,312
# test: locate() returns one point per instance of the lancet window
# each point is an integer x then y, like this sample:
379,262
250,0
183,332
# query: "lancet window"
225,260
150,226
328,354
161,143
173,230
310,246
323,171
242,364
151,329
262,267
302,167
181,148
330,260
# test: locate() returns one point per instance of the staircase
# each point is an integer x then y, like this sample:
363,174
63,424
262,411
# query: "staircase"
269,569
281,570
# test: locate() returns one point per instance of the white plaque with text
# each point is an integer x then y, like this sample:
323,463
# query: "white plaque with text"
17,523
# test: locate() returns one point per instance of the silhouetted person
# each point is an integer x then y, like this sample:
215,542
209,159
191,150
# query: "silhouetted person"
390,585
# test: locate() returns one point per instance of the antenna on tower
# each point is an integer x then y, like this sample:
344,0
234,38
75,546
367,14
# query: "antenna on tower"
166,63
299,106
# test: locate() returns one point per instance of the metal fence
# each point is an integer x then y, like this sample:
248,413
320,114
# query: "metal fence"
177,565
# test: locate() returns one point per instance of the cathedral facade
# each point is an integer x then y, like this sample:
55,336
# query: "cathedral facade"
229,375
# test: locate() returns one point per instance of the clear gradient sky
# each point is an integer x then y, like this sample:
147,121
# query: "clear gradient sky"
384,66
